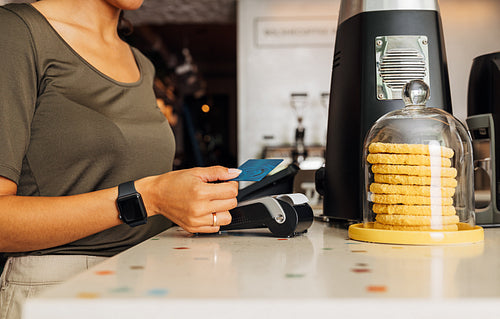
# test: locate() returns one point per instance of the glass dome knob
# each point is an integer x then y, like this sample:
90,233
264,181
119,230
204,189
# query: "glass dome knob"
415,93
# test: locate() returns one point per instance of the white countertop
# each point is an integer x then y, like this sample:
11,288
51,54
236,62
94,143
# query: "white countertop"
250,274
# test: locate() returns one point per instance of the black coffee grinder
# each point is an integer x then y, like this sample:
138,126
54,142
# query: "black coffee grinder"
379,46
483,110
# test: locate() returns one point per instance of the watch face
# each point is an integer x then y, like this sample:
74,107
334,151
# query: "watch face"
131,208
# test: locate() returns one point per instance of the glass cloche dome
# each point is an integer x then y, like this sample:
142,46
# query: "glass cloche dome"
419,182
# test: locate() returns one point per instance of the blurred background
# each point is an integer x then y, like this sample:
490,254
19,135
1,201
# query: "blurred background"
237,79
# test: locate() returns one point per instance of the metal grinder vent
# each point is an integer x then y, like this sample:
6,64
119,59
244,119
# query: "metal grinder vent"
400,59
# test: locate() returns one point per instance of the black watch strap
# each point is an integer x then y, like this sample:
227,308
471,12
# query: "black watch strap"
133,211
126,188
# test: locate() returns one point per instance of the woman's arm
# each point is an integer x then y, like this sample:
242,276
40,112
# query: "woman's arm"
32,223
186,197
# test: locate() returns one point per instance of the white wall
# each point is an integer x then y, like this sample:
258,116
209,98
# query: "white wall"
267,75
471,28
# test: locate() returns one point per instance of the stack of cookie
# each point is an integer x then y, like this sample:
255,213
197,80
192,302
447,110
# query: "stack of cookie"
413,186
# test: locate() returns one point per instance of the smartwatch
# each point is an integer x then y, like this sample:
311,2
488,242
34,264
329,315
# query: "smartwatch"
130,205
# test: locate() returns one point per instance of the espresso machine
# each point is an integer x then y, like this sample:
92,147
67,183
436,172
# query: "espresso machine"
379,46
483,111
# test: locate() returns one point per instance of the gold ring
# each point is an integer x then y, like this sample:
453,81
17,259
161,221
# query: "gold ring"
214,215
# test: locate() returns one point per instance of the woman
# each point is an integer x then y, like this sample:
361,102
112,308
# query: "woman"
85,154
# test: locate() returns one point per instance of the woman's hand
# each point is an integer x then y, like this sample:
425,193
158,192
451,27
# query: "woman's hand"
190,197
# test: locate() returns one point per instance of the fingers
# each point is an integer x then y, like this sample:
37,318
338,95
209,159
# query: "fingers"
210,215
204,230
188,198
220,218
212,219
211,223
218,173
214,192
223,204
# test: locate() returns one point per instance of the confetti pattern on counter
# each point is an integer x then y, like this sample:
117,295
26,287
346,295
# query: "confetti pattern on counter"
180,248
104,272
282,238
358,251
376,288
87,295
360,270
136,267
295,275
327,248
157,292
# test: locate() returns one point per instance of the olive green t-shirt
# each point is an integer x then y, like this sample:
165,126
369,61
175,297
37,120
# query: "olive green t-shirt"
66,128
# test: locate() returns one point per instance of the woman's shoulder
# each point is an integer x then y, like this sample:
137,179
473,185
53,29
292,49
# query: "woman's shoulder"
17,12
16,24
18,17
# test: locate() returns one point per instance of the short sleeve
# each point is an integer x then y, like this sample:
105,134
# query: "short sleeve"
18,92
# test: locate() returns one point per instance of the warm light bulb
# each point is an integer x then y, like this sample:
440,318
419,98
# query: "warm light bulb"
205,108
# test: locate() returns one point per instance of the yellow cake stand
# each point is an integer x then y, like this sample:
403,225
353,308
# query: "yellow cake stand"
466,234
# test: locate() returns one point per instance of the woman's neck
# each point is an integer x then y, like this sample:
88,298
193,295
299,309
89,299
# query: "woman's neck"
90,28
90,16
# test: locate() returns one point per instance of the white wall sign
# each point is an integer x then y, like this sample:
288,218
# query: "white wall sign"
299,31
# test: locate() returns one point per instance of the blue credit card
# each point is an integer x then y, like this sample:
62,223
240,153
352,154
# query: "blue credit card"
256,169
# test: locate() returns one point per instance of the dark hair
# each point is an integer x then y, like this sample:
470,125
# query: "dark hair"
125,27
